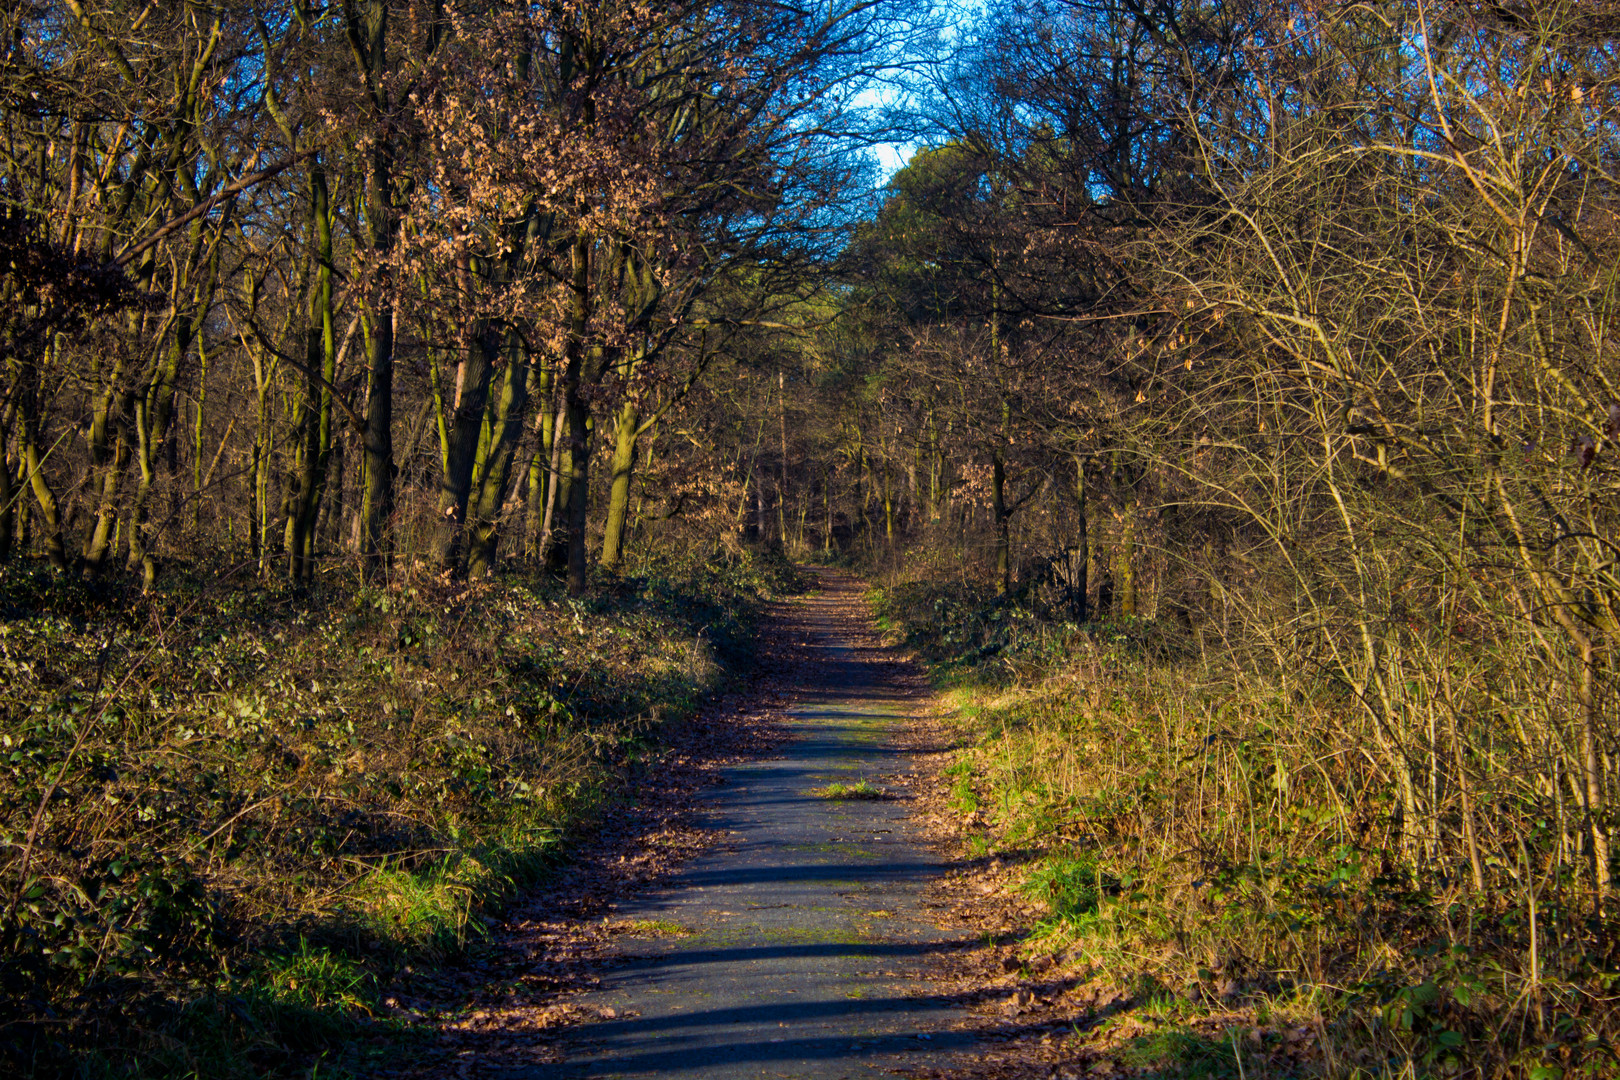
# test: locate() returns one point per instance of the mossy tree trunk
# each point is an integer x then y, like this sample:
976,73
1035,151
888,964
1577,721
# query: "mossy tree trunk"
542,467
313,418
190,299
484,427
624,457
368,39
8,496
508,412
108,444
264,374
464,430
550,543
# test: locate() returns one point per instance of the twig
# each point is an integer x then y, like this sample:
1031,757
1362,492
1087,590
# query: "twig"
123,258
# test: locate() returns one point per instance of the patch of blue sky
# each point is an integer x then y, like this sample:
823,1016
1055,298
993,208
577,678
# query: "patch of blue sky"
897,95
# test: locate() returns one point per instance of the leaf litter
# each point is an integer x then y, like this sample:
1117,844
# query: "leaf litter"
515,993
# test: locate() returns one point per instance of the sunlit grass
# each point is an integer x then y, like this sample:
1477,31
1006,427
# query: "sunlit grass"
840,791
318,978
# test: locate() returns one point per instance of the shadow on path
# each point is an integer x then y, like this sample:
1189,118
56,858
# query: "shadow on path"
798,948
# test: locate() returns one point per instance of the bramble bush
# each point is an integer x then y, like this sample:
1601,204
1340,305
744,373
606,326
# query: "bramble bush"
230,808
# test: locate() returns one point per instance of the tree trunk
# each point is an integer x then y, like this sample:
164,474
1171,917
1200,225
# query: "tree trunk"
760,531
315,410
556,496
8,496
998,477
782,485
888,505
25,519
826,506
495,467
153,411
579,462
190,299
1102,571
377,448
860,487
197,445
111,438
624,461
542,468
112,463
1125,563
641,490
934,466
1080,558
260,471
465,431
1592,769
1001,518
140,555
49,512
108,443
578,415
534,498
333,520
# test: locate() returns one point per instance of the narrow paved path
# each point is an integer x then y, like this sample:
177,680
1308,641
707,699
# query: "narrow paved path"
797,949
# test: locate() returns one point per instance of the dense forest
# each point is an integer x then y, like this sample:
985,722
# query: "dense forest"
1227,391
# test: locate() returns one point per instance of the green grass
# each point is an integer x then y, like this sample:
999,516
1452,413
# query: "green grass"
964,798
1070,887
321,980
1185,1054
840,791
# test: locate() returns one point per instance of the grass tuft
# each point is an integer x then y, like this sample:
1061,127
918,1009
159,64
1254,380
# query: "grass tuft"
839,791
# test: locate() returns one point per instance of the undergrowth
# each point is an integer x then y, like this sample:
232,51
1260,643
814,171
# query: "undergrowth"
230,809
1197,836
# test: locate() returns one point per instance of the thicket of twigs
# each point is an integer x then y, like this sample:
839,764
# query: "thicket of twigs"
407,283
1215,841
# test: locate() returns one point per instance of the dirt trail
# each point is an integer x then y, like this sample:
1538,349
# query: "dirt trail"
795,948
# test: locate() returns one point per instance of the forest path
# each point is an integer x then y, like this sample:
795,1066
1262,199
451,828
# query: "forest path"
797,947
